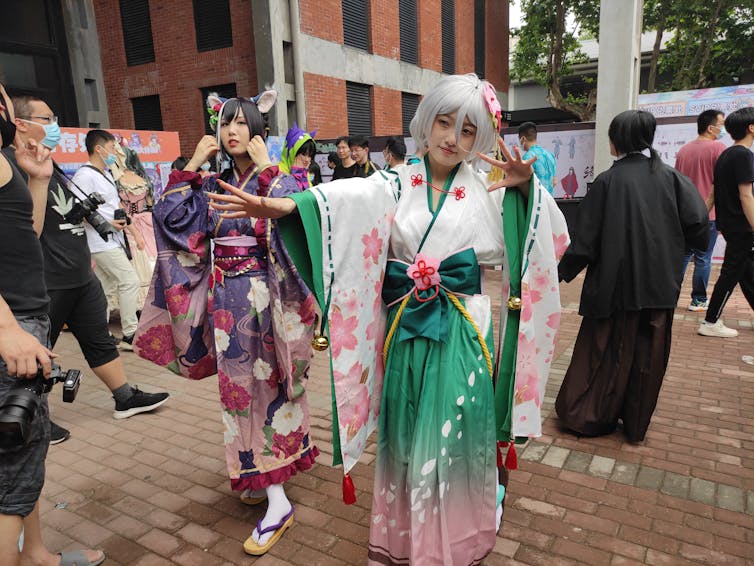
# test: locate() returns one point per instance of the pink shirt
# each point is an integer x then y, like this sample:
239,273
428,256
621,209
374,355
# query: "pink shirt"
696,160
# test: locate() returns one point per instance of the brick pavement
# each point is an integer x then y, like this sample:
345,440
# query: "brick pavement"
152,490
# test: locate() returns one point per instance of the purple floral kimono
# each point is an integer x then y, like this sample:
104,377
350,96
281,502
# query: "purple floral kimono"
239,310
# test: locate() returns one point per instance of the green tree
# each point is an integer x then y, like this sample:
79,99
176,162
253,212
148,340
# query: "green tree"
548,49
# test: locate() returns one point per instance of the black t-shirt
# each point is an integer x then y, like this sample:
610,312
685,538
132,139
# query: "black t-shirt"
22,283
68,263
734,167
343,172
365,170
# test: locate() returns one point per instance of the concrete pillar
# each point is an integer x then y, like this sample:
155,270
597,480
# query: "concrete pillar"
617,69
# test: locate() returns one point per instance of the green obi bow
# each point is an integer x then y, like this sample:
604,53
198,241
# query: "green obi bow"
426,283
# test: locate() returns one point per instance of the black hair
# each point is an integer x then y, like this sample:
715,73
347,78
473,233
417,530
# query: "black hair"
308,148
254,121
316,173
22,105
333,158
396,146
707,119
528,130
97,137
633,131
359,141
343,139
179,164
737,123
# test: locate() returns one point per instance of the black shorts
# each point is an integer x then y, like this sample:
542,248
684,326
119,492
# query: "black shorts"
22,472
84,310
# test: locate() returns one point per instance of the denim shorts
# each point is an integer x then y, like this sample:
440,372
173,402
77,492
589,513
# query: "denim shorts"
22,472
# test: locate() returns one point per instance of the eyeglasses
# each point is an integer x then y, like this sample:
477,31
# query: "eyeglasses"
45,119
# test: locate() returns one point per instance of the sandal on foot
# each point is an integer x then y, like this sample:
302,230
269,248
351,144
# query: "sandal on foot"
79,558
254,548
248,499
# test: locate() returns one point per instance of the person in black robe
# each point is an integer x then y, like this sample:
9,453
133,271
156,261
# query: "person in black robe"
633,228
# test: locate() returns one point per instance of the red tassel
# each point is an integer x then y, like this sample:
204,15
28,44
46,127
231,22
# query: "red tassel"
500,446
511,460
349,491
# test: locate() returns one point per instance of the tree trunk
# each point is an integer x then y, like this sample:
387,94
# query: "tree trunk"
712,29
656,54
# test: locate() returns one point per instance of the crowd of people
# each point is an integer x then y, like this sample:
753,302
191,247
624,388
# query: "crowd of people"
251,269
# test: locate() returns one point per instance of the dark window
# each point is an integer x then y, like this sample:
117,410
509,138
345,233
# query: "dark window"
479,37
147,114
137,31
212,24
356,23
26,21
224,91
359,103
409,31
409,103
448,36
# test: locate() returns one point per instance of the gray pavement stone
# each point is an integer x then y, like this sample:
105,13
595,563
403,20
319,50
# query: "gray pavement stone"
535,451
649,478
675,485
555,456
577,461
750,503
702,491
601,467
731,498
625,473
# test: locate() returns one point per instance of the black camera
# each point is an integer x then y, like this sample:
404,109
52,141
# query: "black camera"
18,409
86,209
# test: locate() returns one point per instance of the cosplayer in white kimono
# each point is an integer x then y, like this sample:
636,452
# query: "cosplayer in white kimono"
395,262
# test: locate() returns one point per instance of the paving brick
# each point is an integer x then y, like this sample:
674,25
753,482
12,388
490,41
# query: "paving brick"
555,457
601,467
649,478
675,485
625,473
577,461
702,491
160,542
731,498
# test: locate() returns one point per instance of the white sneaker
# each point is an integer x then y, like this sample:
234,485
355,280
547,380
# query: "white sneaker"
718,329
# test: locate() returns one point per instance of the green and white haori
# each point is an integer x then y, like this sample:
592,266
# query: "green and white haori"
389,268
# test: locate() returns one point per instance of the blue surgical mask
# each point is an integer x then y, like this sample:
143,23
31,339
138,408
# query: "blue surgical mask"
52,135
110,159
722,132
205,166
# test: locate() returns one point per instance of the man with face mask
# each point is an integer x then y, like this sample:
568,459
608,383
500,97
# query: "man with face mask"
696,159
23,339
76,296
112,266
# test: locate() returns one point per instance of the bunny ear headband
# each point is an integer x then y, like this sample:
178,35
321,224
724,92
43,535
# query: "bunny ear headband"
264,101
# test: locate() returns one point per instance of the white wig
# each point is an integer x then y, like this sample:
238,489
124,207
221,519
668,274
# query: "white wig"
463,94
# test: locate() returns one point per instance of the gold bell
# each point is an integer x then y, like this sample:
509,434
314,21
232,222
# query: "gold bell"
320,343
514,304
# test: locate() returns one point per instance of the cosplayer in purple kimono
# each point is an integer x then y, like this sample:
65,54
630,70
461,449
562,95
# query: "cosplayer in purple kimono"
240,311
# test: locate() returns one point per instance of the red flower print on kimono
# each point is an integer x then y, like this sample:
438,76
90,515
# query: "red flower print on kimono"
372,245
355,413
342,332
223,320
156,345
288,445
233,397
197,243
560,243
177,299
553,320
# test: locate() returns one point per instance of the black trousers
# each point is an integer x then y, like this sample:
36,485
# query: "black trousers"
737,269
84,310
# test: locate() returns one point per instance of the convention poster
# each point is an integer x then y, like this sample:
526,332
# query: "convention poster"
694,102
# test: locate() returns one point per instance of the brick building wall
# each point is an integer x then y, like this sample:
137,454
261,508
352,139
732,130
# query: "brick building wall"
179,70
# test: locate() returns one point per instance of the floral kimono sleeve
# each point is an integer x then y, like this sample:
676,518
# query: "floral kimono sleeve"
174,329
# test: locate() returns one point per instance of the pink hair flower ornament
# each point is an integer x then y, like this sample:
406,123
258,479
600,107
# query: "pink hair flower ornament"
493,105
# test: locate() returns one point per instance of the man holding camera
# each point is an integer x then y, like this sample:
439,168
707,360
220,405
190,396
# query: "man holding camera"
23,338
112,265
76,296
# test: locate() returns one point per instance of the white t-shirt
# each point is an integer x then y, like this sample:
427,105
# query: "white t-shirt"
90,181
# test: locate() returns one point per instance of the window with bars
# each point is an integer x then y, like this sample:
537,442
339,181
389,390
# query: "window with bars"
359,104
448,14
137,31
409,29
480,38
409,103
212,24
356,23
227,90
147,113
